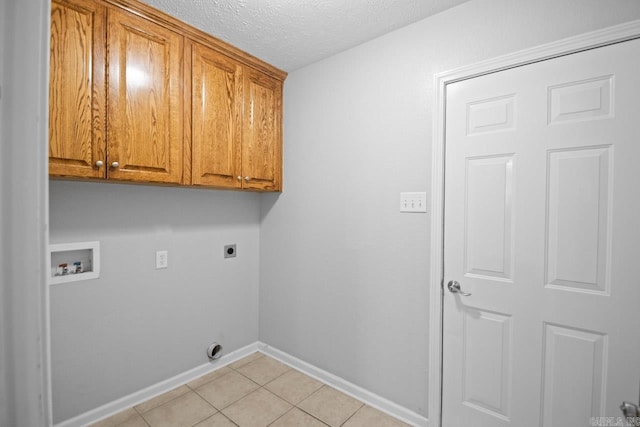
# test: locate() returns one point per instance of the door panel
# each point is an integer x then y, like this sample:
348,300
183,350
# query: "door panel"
574,374
583,100
217,119
578,220
491,115
487,347
541,227
262,142
488,227
145,100
77,89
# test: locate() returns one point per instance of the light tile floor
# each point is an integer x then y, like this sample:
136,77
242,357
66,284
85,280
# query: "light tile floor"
256,391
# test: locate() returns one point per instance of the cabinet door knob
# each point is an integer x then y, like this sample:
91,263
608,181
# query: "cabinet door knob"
99,163
246,178
239,178
115,165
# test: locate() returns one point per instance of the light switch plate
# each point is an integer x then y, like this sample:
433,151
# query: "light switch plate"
162,259
413,202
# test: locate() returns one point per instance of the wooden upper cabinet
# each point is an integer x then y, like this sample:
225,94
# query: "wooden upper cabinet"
136,95
262,132
216,118
236,124
77,89
146,100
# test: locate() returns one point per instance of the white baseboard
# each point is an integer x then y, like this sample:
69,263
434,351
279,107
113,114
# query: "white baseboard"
336,382
157,389
371,399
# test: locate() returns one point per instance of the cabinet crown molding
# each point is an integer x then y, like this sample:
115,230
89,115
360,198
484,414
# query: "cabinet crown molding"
152,14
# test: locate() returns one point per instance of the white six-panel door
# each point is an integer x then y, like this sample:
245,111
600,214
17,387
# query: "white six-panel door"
542,227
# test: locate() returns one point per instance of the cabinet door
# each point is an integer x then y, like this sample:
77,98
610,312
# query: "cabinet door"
77,88
145,103
217,116
262,132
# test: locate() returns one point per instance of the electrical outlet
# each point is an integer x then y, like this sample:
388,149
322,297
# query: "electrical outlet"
413,202
162,259
230,251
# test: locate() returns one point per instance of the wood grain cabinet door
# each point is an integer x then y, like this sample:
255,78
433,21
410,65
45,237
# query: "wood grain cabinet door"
262,132
145,107
77,89
216,117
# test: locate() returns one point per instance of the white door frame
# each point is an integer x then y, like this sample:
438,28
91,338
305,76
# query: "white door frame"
25,381
615,34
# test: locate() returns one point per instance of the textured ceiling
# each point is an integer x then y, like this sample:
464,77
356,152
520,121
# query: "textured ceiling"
293,33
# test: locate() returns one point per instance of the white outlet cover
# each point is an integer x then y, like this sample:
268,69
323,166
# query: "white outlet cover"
415,201
162,259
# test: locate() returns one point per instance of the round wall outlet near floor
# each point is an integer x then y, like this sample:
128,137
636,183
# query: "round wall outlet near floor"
214,351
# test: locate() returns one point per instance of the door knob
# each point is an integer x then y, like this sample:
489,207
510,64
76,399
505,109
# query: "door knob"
99,163
239,178
115,165
246,178
454,288
630,409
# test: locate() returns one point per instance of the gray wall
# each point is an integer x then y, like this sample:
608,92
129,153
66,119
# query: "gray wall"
344,276
135,325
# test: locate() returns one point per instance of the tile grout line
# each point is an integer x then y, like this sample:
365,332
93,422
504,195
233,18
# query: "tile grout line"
353,415
144,420
285,413
210,404
216,379
316,391
259,387
263,386
205,418
312,416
